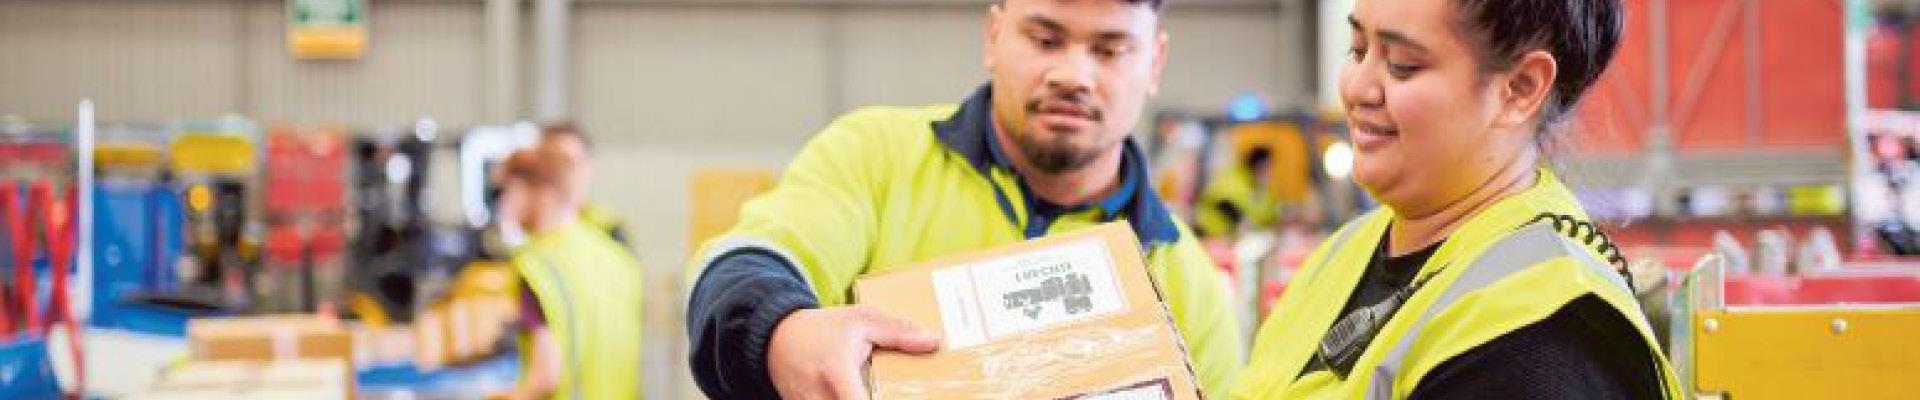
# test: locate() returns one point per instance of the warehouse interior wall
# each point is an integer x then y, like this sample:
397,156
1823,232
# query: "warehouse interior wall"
665,88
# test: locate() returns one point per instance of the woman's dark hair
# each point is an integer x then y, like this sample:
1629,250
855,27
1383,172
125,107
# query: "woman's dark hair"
1581,34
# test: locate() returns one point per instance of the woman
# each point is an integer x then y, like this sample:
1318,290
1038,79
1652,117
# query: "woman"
1482,276
582,309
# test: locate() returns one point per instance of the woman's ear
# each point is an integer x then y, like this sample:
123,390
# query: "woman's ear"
1527,89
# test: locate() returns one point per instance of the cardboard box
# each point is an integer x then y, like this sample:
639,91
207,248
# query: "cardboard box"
1074,316
390,345
284,379
275,337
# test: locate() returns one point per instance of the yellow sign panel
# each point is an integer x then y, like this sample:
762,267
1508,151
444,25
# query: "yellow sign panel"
1808,353
213,153
326,29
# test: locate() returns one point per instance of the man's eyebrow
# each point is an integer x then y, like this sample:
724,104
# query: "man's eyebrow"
1046,23
1113,36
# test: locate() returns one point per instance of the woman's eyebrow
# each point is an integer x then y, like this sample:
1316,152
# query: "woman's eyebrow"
1390,36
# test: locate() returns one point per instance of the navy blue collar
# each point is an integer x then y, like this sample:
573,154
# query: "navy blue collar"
969,133
1109,207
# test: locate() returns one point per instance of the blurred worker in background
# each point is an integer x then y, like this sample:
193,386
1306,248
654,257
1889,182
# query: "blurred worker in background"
1043,148
582,304
568,140
1238,197
1482,276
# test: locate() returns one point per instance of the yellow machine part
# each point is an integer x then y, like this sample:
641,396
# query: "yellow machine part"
481,302
485,278
1291,157
1808,353
369,310
213,153
126,155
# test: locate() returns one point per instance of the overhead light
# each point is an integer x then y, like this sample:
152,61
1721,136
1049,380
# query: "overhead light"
1247,106
1338,161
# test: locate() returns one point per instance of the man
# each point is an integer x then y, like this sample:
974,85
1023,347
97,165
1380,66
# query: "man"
1238,197
567,140
582,306
1041,149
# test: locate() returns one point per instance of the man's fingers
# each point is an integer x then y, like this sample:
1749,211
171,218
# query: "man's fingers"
887,332
847,383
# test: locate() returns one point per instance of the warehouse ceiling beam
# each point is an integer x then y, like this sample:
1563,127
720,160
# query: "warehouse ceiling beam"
502,95
550,26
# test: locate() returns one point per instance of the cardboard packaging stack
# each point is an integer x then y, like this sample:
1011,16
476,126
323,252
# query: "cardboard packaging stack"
278,357
1074,316
267,338
236,380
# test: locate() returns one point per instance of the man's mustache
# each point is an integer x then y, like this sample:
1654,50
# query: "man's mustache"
1065,104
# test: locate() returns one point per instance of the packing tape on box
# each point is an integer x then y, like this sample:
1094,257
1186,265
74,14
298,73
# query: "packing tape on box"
286,344
1015,369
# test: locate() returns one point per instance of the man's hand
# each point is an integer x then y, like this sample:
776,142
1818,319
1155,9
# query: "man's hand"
542,373
821,353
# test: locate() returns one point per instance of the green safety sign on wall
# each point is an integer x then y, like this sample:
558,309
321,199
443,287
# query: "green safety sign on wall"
326,29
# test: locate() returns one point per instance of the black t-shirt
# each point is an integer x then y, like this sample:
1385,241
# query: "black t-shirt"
1585,350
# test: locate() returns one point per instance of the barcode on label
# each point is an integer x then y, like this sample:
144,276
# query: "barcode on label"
993,298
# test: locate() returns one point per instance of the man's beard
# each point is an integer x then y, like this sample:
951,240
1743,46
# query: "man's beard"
1056,156
1059,155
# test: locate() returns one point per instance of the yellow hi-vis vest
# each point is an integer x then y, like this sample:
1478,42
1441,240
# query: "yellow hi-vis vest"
879,190
1235,187
1497,273
589,290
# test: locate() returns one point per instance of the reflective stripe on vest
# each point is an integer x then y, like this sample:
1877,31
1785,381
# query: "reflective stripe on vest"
572,365
1339,242
1528,246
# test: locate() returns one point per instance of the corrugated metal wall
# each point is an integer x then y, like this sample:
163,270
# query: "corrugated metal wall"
1740,74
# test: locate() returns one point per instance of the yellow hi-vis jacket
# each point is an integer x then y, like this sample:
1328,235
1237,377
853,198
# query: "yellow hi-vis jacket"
886,187
589,288
1497,273
1236,188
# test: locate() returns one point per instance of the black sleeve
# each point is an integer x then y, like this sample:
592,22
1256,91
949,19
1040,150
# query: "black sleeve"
1584,351
731,314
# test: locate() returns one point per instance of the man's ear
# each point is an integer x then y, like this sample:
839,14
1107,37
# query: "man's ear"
1527,89
994,13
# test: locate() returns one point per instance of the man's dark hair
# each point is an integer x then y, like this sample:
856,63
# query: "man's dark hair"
1158,5
560,129
1582,35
